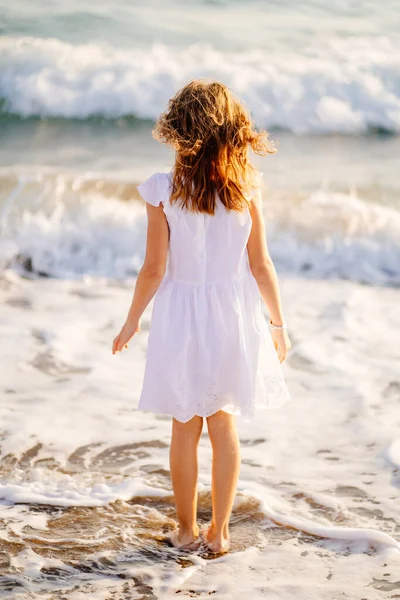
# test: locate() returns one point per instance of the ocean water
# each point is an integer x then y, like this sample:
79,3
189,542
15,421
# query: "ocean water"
321,69
85,493
80,88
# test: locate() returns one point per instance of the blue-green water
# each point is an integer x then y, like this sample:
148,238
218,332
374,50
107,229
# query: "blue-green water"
309,68
82,83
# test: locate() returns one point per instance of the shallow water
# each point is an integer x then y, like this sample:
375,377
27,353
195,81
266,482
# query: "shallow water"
85,490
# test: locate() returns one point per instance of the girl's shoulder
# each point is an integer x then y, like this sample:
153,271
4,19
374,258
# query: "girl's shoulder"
156,188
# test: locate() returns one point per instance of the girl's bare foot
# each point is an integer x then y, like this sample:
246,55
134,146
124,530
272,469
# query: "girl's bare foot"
216,543
185,541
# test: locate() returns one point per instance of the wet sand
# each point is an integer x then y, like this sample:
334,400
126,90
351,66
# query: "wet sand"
85,491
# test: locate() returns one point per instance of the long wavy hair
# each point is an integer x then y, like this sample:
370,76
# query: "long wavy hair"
211,133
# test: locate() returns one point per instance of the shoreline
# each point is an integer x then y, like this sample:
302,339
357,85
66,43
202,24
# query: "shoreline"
77,458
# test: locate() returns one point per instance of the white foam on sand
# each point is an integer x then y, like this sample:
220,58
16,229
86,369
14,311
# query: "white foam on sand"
316,465
40,486
366,537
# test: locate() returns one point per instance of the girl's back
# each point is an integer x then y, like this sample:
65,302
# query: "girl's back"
207,317
203,248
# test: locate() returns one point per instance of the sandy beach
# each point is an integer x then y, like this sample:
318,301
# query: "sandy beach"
85,490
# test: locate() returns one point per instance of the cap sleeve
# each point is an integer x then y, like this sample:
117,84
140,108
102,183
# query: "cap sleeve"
155,189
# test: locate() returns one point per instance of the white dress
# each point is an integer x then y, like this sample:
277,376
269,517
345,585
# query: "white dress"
209,345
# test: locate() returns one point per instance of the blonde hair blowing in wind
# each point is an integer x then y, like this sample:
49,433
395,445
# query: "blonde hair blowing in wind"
211,133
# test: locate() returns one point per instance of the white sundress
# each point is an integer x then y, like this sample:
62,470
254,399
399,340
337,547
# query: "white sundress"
209,346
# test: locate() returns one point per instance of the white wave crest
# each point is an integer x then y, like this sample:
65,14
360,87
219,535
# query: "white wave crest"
60,227
53,226
344,85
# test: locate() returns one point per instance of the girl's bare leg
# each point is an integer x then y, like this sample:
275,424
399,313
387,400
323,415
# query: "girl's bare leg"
184,470
225,473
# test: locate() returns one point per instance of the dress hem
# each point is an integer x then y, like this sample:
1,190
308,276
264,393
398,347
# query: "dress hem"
246,416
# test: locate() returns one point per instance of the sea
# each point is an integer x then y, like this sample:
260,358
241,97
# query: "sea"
85,492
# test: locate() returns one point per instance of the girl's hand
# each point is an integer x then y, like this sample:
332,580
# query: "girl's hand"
281,342
125,335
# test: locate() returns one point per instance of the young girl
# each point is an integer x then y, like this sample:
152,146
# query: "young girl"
210,354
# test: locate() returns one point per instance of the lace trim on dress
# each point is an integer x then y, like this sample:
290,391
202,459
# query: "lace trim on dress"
274,394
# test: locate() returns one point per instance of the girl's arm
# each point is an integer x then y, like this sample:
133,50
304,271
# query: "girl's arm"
263,269
150,275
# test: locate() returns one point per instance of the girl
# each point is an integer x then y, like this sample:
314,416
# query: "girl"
210,354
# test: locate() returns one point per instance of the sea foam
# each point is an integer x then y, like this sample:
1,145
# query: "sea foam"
65,227
340,85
